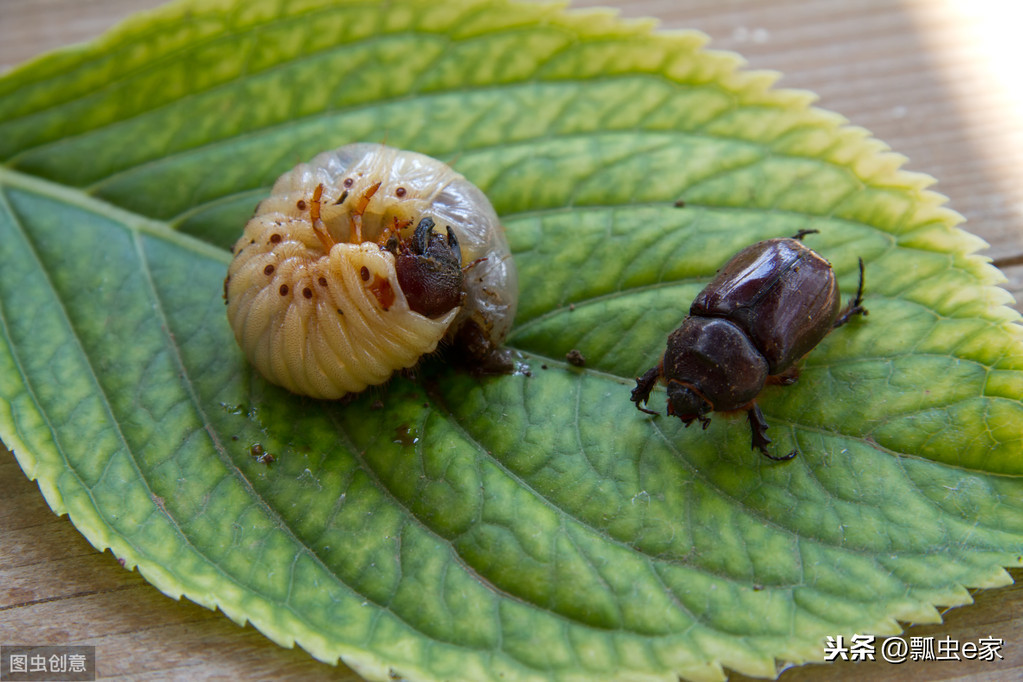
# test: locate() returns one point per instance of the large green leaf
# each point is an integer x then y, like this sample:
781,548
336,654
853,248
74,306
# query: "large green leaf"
519,527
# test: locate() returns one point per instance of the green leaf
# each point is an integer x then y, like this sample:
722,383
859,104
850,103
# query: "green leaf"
523,527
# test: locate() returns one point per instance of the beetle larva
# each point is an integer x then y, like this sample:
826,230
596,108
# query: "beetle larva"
359,263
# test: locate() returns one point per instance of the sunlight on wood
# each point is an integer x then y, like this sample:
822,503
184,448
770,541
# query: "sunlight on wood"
977,47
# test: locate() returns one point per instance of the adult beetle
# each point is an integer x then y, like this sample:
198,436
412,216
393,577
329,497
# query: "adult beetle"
765,309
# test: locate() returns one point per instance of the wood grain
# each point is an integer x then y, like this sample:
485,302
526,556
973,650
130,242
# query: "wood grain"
914,73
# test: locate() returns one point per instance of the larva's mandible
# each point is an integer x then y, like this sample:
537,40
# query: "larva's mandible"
362,261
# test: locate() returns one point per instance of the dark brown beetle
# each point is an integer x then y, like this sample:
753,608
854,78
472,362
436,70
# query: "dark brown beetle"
765,309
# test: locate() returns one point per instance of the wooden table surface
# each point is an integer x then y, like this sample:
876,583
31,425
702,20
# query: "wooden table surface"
927,77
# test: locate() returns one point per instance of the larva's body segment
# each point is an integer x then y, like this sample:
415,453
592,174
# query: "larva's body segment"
321,312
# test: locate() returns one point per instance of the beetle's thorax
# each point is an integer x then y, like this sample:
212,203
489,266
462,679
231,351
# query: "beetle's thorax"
717,358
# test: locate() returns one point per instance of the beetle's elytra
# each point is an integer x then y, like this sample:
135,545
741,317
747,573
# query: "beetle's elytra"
765,309
362,261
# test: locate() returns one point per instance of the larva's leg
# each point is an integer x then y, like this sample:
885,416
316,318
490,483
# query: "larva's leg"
394,232
356,215
318,227
471,265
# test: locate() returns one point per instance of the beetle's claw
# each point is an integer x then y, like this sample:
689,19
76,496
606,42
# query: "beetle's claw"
784,458
802,233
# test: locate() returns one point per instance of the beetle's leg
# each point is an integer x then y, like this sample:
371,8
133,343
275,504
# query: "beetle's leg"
802,233
704,421
644,385
758,425
855,306
786,378
319,229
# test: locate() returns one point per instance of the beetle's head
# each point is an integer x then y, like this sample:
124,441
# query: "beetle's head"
686,403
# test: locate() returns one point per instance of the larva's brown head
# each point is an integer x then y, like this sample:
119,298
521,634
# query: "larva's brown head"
429,270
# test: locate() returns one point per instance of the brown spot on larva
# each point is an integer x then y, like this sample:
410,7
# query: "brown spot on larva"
340,312
349,182
344,195
575,358
400,192
301,205
384,292
275,238
307,292
268,270
364,273
284,290
323,281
